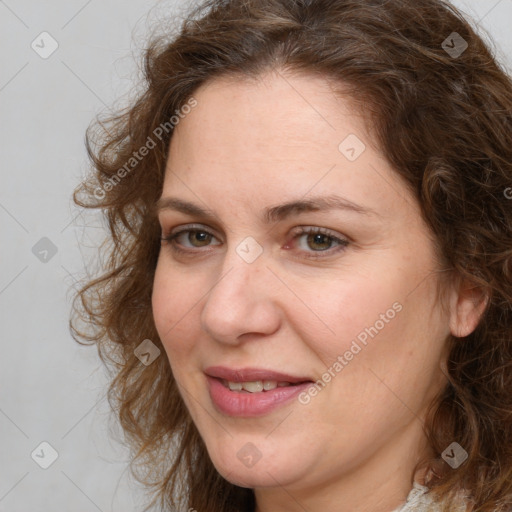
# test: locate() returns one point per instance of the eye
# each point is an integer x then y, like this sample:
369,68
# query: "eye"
318,240
191,237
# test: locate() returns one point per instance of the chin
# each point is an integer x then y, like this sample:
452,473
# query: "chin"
238,469
251,478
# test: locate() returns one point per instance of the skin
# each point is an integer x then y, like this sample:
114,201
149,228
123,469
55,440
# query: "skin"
250,145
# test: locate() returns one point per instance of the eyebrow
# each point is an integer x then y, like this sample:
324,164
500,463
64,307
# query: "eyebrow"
274,213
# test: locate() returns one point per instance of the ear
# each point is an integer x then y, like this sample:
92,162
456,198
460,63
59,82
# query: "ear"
467,304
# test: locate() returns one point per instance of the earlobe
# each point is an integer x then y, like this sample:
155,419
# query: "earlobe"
467,306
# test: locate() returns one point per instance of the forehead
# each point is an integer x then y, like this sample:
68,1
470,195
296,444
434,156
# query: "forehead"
275,109
275,137
277,119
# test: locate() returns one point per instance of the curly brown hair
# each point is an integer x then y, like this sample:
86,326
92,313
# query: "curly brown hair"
442,116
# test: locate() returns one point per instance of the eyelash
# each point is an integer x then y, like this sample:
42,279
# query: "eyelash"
309,230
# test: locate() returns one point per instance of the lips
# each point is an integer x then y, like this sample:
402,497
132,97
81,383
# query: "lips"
252,374
251,392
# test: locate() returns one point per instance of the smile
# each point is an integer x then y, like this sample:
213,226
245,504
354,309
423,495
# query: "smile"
247,393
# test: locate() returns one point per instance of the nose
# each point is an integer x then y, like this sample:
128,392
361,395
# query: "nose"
241,302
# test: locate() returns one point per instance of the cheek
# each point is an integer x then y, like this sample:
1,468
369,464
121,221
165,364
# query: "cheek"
387,346
163,301
372,321
349,308
174,292
173,309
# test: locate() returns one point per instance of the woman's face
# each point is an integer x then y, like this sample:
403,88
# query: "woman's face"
305,260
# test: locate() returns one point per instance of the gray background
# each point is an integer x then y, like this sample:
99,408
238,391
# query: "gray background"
52,389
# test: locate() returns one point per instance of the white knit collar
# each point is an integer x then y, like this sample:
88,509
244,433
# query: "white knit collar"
418,501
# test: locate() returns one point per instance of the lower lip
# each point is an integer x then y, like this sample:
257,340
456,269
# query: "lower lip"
240,403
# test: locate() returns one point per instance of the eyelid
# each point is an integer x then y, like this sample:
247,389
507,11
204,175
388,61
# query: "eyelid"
295,231
191,227
318,229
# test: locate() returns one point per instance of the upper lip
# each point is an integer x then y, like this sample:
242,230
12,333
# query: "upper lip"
251,375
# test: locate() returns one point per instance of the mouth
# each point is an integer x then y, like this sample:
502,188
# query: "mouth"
251,391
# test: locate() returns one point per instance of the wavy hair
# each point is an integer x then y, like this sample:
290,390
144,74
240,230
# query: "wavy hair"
442,116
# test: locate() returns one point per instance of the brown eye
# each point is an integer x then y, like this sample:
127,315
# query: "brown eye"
198,238
316,242
321,241
186,240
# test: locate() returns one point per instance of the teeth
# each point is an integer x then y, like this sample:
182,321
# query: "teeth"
255,386
235,386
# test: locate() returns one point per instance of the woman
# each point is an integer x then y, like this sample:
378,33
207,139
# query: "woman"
308,304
